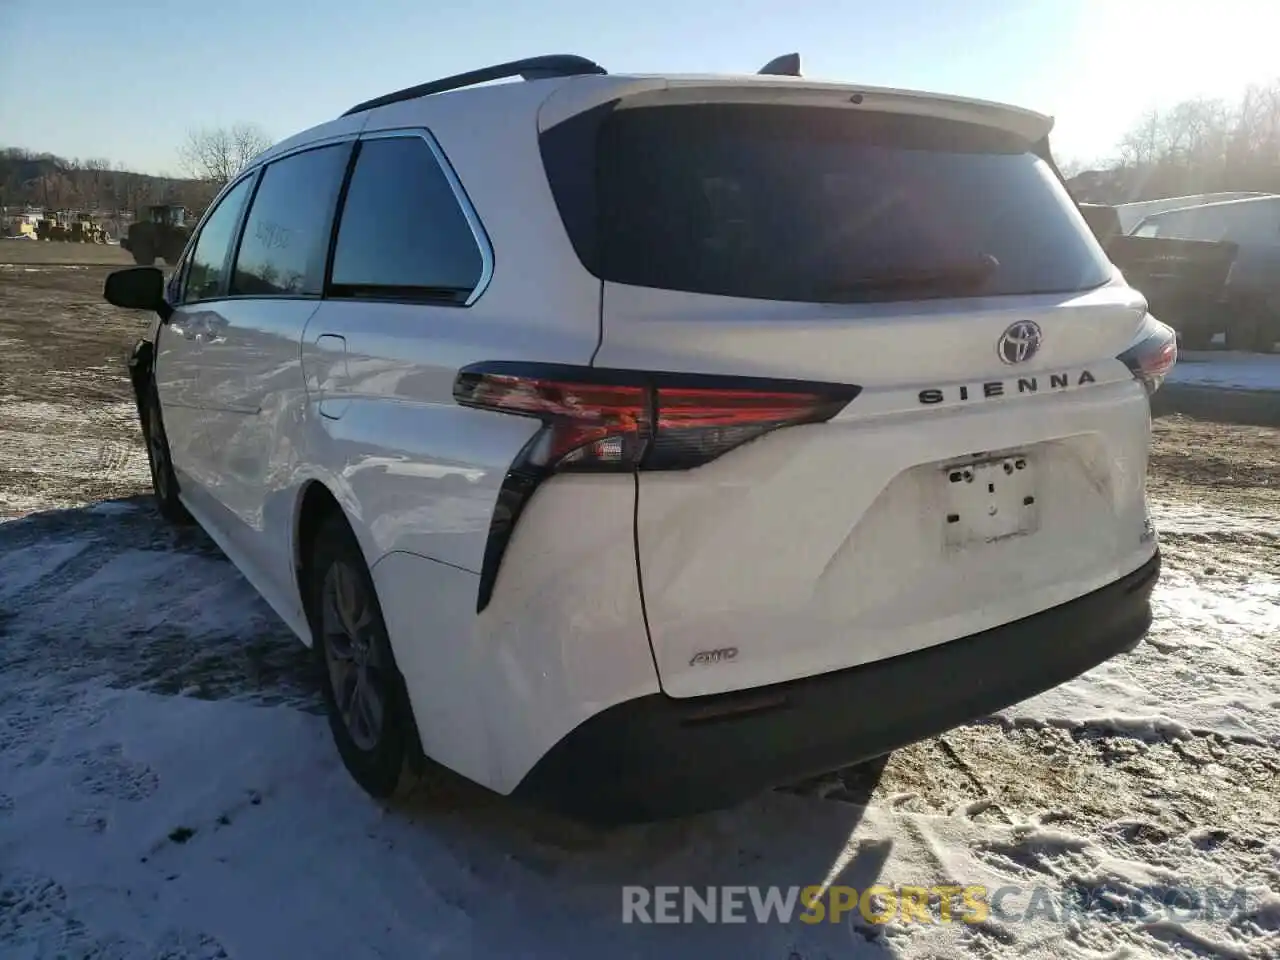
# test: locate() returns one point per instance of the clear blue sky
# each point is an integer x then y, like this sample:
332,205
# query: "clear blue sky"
125,79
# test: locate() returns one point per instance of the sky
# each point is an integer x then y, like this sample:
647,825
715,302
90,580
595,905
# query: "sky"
127,79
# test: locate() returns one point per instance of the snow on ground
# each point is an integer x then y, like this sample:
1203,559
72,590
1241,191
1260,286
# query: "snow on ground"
137,823
1209,663
66,453
1233,370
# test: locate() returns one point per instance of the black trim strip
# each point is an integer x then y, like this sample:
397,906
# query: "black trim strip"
518,487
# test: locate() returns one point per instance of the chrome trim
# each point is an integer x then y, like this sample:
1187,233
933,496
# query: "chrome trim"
266,157
459,194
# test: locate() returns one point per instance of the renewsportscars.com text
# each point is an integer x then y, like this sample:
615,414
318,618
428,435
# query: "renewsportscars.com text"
940,903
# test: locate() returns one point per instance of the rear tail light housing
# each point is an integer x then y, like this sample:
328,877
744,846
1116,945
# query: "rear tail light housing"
1152,354
600,420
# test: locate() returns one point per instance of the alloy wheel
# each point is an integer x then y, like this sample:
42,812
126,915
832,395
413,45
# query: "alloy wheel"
356,672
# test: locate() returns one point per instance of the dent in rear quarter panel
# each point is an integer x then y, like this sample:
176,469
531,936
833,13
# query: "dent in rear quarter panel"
418,477
419,472
563,637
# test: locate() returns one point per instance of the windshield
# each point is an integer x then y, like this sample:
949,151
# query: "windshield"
815,204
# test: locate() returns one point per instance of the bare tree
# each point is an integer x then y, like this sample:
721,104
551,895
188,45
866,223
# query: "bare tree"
217,154
1142,145
1071,166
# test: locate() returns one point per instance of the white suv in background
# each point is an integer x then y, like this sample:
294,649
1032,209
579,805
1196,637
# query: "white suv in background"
634,443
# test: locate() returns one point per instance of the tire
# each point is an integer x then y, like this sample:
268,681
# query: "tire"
375,736
1242,331
1267,333
143,256
164,483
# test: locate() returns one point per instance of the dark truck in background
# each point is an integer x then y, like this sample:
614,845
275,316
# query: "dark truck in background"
1184,281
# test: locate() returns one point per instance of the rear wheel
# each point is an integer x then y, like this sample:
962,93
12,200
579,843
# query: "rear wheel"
368,708
163,481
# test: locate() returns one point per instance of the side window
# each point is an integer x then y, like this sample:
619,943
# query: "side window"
204,274
403,233
286,235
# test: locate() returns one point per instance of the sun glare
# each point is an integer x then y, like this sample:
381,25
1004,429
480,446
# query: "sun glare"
1139,55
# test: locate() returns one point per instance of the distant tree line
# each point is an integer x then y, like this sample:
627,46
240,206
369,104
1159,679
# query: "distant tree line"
29,178
208,157
1197,146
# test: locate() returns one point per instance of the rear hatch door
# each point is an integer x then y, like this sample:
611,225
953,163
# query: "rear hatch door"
902,246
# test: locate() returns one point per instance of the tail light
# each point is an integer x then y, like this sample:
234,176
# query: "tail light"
1153,354
618,421
612,420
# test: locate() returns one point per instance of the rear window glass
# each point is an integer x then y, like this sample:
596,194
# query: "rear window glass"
815,204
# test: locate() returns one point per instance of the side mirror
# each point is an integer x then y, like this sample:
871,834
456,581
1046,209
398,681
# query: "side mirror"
137,288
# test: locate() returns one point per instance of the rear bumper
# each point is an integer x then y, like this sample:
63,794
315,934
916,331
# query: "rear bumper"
657,756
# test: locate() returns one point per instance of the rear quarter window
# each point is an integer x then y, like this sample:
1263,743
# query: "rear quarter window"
404,233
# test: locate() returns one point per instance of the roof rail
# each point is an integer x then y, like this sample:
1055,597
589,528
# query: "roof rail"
531,68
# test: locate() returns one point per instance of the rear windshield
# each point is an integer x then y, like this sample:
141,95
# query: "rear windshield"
814,204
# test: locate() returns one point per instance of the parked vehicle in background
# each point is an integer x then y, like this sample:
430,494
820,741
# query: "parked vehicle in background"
22,225
85,230
1184,281
631,443
162,234
1251,297
51,227
1133,213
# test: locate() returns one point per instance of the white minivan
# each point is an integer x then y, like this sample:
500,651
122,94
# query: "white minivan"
635,443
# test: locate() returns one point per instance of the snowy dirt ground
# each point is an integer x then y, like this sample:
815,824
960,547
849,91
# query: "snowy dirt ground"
168,788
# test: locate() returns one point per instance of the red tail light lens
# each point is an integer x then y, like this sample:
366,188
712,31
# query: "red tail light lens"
619,420
696,425
588,425
1152,357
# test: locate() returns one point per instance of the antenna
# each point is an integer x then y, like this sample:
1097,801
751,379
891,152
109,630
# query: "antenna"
787,65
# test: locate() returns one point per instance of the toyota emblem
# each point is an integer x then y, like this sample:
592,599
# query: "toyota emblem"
1020,342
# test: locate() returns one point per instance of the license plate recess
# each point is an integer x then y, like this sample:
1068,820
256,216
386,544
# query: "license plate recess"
991,499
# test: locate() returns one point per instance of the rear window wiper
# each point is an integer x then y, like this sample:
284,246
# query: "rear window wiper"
959,277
